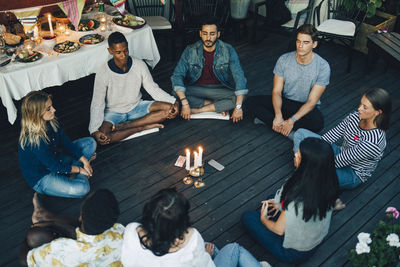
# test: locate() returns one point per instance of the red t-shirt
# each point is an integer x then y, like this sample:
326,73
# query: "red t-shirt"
208,75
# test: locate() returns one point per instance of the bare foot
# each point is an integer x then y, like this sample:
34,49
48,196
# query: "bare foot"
94,156
39,213
154,125
210,249
195,110
339,205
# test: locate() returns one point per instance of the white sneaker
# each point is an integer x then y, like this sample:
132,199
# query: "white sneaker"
265,264
258,121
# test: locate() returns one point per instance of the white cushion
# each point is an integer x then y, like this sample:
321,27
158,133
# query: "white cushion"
158,23
209,115
290,23
339,27
144,132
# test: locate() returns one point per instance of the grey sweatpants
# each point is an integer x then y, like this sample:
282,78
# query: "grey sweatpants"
224,99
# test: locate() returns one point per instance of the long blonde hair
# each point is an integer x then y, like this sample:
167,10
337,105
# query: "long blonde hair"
33,126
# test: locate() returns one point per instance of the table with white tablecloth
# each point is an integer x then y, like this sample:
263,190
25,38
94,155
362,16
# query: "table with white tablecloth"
18,79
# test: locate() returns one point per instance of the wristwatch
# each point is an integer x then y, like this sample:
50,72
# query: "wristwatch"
238,106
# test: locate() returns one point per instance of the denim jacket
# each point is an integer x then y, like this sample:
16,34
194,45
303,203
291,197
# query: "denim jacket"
191,64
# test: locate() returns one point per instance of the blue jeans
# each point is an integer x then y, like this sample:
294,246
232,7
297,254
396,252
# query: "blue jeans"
141,110
347,178
59,185
234,255
271,241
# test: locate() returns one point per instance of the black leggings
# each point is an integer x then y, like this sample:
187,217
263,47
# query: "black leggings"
262,108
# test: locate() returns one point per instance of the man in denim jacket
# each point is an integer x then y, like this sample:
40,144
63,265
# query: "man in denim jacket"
214,78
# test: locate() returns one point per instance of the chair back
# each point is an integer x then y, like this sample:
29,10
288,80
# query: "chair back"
196,10
147,7
345,10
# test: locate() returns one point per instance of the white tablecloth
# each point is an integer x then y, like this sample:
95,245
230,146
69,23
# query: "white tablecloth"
18,79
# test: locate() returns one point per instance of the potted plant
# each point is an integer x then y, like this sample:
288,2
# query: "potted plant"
375,20
382,247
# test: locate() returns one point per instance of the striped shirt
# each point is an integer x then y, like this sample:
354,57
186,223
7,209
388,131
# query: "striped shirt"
361,149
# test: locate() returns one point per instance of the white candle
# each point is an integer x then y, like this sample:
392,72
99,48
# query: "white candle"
200,156
196,159
187,159
67,32
50,25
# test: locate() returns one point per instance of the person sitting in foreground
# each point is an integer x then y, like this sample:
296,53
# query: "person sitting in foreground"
364,139
165,238
294,223
210,65
49,161
95,241
118,110
300,80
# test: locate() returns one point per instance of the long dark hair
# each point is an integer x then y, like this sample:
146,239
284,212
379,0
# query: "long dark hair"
380,100
165,219
314,183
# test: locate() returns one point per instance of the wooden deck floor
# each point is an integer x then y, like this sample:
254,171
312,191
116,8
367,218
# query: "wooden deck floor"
257,160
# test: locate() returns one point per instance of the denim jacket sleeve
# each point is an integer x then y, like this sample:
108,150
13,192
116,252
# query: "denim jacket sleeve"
180,72
237,73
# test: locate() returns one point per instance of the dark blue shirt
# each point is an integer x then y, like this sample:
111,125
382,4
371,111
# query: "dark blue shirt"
38,161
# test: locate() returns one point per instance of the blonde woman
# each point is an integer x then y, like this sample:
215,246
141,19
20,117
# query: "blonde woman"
50,163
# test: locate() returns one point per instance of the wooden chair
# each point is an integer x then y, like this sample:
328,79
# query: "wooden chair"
196,10
301,11
342,24
153,11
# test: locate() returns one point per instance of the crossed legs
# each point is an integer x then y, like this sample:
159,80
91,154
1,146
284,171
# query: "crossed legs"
157,112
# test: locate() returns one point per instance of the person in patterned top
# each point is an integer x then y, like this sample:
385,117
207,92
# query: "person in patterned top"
364,139
55,241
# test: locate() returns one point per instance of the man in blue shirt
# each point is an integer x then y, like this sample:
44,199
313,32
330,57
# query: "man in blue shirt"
300,79
216,80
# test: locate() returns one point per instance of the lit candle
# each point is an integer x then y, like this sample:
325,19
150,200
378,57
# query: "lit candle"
196,159
103,19
36,32
187,159
67,32
200,156
50,25
103,28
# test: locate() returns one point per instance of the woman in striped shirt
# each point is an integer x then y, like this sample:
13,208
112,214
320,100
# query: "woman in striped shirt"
364,138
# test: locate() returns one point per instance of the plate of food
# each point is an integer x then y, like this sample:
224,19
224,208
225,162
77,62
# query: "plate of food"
91,39
86,25
26,56
66,47
129,21
12,39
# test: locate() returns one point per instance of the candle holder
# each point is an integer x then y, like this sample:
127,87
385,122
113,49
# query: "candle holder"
196,171
199,183
187,180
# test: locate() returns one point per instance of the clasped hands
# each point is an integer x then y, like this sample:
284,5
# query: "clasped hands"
269,209
281,126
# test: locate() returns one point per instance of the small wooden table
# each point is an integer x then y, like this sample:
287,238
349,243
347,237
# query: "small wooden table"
385,45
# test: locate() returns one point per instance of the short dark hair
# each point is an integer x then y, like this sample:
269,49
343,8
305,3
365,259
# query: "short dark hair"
308,29
116,38
380,100
165,218
99,212
314,183
209,20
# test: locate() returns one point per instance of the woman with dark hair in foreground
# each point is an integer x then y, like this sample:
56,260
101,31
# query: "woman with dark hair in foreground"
293,223
164,237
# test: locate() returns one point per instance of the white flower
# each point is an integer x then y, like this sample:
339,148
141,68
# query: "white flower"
364,238
362,248
392,237
393,240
